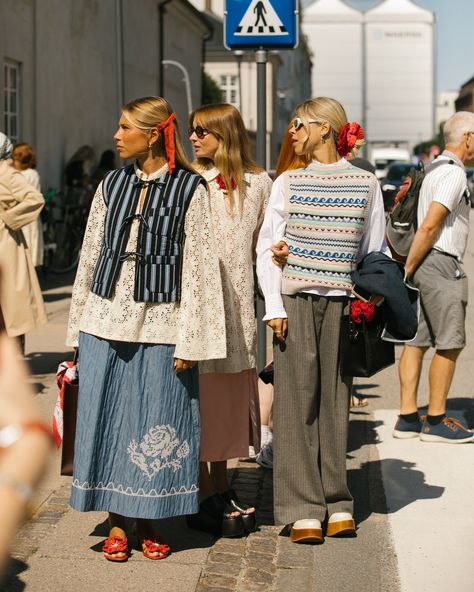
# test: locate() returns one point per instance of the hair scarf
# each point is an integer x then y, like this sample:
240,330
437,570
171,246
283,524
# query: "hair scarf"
167,127
6,147
348,136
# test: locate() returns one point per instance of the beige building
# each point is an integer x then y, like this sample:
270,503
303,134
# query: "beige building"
69,65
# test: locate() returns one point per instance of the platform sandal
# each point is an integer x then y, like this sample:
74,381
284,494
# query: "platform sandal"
215,517
248,518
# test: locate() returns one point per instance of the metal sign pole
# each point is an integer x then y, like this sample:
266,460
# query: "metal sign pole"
261,61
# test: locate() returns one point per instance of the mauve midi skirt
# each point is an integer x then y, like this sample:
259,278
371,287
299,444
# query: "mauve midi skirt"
230,414
137,439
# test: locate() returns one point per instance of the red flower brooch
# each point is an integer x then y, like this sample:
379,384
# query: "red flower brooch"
222,185
361,310
348,136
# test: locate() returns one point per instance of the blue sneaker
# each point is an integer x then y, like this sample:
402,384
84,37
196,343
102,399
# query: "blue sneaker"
407,429
449,430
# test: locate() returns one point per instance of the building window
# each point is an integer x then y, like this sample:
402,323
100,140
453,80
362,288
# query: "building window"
230,89
12,101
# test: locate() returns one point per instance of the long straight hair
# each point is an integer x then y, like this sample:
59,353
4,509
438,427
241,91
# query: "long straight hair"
146,113
232,158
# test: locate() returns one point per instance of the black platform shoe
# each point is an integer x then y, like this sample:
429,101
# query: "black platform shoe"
249,520
214,517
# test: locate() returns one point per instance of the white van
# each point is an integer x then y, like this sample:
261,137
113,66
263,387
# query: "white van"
381,158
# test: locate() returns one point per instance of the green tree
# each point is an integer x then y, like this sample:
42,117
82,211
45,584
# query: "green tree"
210,91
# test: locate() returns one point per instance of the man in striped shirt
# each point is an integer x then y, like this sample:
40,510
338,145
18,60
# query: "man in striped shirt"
434,265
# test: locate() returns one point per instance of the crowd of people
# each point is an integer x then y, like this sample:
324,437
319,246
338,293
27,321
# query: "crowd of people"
163,316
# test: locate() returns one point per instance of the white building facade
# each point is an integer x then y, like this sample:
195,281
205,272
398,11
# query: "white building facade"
68,67
379,64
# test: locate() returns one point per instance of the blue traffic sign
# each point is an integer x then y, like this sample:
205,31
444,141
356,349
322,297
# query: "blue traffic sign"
269,24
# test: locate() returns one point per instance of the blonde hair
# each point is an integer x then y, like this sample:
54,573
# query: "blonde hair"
232,158
325,109
146,113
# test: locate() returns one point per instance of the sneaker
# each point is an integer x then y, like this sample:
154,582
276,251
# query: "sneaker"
265,456
407,429
449,430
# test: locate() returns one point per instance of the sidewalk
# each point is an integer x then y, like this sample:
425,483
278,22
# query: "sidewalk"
60,549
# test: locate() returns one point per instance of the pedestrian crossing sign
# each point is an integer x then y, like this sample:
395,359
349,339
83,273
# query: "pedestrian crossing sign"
267,24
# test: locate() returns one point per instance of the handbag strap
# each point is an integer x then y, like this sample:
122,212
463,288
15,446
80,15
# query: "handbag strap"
76,356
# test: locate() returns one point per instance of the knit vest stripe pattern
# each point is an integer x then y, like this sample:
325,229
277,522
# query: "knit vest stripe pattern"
327,208
158,259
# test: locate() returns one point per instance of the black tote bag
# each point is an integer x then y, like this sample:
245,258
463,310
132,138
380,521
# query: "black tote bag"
362,351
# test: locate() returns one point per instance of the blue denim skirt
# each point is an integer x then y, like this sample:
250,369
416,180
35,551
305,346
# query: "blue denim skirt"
137,436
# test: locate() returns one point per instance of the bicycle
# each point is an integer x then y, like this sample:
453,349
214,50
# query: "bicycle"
64,223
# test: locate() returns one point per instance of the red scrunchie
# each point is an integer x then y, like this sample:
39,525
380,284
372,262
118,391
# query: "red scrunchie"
167,127
348,136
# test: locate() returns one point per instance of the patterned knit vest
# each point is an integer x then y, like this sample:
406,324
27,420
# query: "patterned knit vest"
327,208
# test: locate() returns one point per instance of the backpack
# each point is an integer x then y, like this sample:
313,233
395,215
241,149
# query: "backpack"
402,222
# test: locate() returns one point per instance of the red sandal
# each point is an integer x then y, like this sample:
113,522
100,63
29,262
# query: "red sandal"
157,545
114,545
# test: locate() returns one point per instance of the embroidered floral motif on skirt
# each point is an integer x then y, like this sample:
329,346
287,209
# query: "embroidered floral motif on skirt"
137,441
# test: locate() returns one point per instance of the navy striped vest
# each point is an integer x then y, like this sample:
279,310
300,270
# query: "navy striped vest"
160,235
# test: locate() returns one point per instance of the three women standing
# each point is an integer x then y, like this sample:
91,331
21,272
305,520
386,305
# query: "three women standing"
146,305
330,214
230,421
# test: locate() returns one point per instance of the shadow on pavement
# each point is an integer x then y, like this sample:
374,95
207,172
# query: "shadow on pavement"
362,432
47,362
174,532
10,582
406,483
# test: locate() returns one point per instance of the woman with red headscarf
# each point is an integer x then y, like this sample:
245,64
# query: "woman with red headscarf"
146,306
330,214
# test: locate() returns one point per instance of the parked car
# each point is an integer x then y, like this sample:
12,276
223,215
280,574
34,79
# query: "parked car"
396,174
382,158
470,183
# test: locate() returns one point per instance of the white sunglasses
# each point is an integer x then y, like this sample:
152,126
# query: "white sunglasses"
297,123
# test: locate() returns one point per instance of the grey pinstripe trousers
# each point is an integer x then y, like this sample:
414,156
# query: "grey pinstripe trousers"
311,413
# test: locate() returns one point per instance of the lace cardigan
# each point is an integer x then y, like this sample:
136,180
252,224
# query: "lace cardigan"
196,324
236,237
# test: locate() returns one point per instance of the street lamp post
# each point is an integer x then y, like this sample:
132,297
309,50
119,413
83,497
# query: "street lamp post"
239,54
186,80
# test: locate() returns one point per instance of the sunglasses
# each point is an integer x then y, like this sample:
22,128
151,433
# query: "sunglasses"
201,132
297,123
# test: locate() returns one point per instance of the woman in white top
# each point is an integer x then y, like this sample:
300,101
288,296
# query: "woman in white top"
330,214
24,160
230,420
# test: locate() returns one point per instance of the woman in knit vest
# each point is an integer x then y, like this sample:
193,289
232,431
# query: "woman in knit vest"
230,419
330,214
146,306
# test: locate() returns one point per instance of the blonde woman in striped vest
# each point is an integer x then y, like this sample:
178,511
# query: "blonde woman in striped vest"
142,318
330,214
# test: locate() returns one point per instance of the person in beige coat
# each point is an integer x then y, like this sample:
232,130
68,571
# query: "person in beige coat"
20,295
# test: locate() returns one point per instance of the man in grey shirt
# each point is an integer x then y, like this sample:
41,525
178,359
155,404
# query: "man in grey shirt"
434,265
